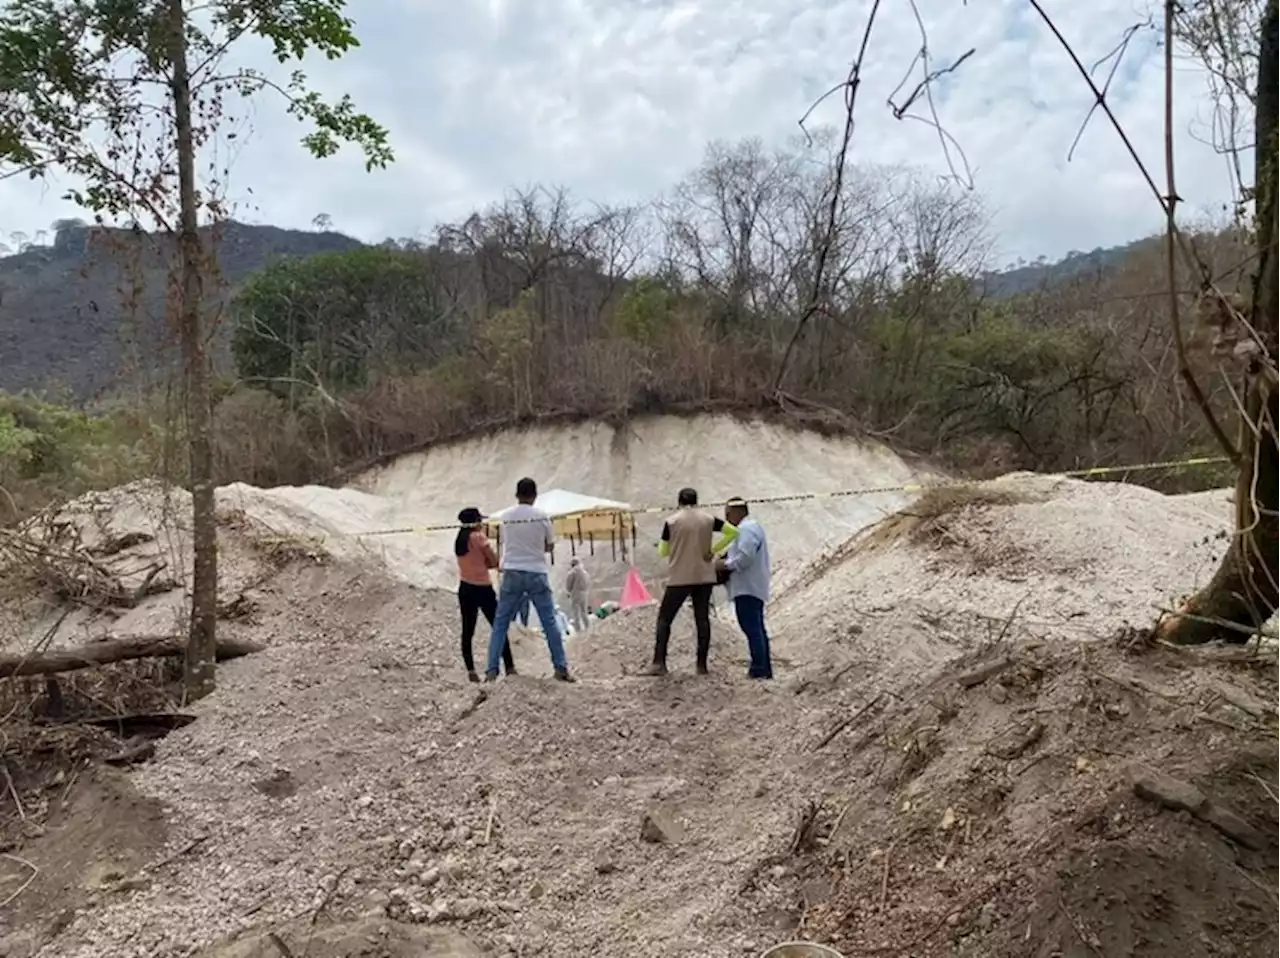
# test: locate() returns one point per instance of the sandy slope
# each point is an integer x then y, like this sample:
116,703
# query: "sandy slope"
352,752
644,464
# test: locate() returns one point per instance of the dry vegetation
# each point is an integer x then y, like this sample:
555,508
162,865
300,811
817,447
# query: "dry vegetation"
541,308
926,522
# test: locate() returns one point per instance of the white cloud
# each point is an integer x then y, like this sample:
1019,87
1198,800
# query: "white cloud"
616,99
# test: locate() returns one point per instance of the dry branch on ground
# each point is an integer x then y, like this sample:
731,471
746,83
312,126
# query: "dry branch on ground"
114,650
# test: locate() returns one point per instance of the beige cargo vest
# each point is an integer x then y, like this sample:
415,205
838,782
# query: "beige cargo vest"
690,537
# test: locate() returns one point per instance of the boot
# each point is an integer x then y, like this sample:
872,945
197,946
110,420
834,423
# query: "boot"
472,676
658,668
562,675
702,669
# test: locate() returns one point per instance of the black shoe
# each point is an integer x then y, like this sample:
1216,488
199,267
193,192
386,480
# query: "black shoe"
511,670
658,668
562,675
702,669
472,676
491,676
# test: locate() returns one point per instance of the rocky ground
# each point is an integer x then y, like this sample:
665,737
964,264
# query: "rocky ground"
966,752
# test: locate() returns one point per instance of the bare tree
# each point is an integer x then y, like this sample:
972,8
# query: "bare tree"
1242,594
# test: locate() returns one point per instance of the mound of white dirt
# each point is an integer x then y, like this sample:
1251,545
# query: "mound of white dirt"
644,464
1026,556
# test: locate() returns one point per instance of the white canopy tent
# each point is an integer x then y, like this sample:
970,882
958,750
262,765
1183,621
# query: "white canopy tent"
581,518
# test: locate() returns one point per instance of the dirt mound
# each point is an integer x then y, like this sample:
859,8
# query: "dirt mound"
958,758
91,839
1025,556
1006,809
644,463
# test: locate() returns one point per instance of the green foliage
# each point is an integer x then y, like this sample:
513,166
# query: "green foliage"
48,451
15,442
644,313
326,322
71,70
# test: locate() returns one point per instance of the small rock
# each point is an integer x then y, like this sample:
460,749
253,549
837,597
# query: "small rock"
509,866
537,890
1170,792
406,849
605,867
439,911
453,867
1233,826
364,801
998,694
660,827
987,916
1015,740
429,876
467,908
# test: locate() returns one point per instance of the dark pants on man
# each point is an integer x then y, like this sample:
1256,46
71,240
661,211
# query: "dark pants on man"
750,611
673,598
472,601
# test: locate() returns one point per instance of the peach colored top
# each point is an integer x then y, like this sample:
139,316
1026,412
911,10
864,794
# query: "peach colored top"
474,567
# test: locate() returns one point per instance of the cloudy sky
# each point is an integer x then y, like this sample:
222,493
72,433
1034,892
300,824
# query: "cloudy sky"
616,100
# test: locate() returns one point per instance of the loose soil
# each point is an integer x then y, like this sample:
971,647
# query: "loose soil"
945,765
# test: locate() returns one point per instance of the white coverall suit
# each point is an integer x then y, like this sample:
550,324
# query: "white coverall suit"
578,585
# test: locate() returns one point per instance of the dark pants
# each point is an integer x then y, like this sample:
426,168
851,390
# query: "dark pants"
750,612
472,600
673,598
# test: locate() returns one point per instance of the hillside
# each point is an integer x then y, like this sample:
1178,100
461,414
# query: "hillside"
1020,277
64,322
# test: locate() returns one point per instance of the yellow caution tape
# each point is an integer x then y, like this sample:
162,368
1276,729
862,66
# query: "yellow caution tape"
847,493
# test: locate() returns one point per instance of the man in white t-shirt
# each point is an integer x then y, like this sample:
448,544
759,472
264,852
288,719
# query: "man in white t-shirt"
527,538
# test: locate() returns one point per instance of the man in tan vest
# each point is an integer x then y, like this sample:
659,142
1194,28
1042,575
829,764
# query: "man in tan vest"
687,545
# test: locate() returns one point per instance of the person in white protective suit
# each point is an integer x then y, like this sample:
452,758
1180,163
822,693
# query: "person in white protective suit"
578,584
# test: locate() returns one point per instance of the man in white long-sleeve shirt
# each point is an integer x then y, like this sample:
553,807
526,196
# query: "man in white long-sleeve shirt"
747,563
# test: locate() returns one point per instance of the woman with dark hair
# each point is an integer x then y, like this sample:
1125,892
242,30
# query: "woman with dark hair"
476,559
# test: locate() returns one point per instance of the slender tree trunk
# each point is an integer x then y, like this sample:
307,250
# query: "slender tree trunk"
1243,590
202,638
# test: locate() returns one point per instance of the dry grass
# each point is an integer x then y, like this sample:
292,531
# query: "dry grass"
118,688
928,521
275,549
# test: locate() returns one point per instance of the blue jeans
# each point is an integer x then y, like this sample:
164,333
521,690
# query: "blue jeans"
519,588
750,611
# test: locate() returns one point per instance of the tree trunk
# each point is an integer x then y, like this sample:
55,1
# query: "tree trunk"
202,636
1243,590
114,650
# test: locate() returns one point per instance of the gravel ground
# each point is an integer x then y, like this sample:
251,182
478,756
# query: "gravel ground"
350,766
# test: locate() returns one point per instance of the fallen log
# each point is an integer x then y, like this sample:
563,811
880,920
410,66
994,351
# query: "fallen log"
114,650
